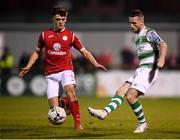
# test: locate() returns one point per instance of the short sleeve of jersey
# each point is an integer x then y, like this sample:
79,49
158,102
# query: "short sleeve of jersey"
152,36
40,42
76,43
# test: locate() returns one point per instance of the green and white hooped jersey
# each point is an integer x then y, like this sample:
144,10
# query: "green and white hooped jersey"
147,45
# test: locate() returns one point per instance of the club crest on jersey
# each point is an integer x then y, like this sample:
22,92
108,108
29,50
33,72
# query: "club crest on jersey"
64,38
57,46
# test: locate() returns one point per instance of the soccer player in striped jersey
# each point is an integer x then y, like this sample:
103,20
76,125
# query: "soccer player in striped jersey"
151,50
58,68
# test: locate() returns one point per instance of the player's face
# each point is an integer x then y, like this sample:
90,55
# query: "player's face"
136,24
59,21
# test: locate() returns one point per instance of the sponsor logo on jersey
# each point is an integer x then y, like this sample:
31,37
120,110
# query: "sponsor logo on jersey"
153,36
56,53
57,48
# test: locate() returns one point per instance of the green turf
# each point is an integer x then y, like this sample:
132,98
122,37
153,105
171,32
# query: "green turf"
26,117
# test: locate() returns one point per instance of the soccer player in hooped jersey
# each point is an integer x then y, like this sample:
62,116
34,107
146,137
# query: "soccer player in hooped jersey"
151,50
58,67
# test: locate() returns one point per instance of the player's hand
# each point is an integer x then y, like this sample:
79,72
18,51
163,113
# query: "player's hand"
101,66
23,71
160,62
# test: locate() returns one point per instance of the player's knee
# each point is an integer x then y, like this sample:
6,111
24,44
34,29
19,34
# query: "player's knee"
121,92
70,92
71,96
131,96
131,99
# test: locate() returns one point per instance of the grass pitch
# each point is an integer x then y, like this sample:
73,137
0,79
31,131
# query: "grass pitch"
26,118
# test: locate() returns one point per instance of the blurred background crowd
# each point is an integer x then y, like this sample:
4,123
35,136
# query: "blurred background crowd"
90,10
86,11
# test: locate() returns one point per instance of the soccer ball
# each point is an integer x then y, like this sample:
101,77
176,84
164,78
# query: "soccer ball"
57,115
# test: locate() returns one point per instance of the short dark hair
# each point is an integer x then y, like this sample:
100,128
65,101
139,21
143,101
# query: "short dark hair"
136,13
59,10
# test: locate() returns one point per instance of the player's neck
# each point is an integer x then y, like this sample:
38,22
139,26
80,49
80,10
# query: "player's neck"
141,28
58,30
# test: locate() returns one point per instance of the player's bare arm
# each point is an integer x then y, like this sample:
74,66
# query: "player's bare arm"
91,59
163,51
34,56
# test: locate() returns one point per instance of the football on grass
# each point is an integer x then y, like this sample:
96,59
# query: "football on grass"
57,115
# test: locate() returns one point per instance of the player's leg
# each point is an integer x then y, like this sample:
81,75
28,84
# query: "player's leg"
140,85
74,105
68,82
113,104
52,92
132,98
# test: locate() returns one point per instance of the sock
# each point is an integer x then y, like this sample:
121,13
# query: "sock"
137,107
115,102
75,110
65,103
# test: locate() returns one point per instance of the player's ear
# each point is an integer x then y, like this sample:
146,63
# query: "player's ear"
141,20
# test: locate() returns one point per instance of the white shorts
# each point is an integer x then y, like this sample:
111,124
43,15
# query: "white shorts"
54,80
143,78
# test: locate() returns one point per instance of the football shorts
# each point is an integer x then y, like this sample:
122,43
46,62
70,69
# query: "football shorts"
66,77
143,78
